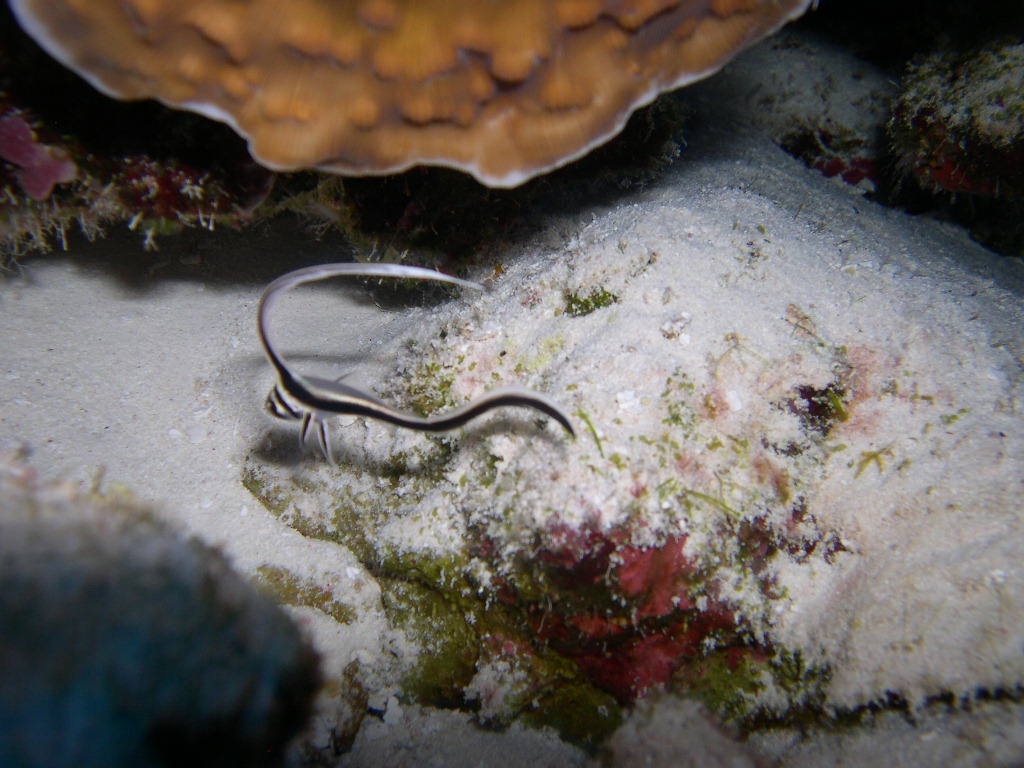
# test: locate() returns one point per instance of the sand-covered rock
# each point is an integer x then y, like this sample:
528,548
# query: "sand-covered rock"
796,484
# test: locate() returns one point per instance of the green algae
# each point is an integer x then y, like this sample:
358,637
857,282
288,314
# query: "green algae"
677,395
580,306
804,684
255,481
949,419
455,631
725,686
755,691
434,599
875,458
450,647
547,350
293,590
585,418
581,713
489,471
429,388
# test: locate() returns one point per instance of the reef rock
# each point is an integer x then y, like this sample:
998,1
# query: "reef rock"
796,487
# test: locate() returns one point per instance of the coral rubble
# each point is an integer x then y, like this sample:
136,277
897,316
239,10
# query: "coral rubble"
957,130
74,163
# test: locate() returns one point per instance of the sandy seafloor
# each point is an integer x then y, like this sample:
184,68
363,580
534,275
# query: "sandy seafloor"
145,370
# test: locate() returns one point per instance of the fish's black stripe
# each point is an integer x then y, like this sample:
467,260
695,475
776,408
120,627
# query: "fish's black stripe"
280,407
311,400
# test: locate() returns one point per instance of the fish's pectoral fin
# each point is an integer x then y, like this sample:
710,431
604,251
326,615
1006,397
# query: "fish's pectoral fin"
324,439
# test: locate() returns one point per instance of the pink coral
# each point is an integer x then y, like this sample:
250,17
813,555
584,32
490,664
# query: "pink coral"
41,167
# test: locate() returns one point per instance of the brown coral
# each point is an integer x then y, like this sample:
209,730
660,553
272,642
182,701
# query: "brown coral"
504,90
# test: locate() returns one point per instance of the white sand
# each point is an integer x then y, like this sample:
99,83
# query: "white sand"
740,267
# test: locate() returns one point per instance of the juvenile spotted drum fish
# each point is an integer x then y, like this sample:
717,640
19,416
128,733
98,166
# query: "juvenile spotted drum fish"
313,400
